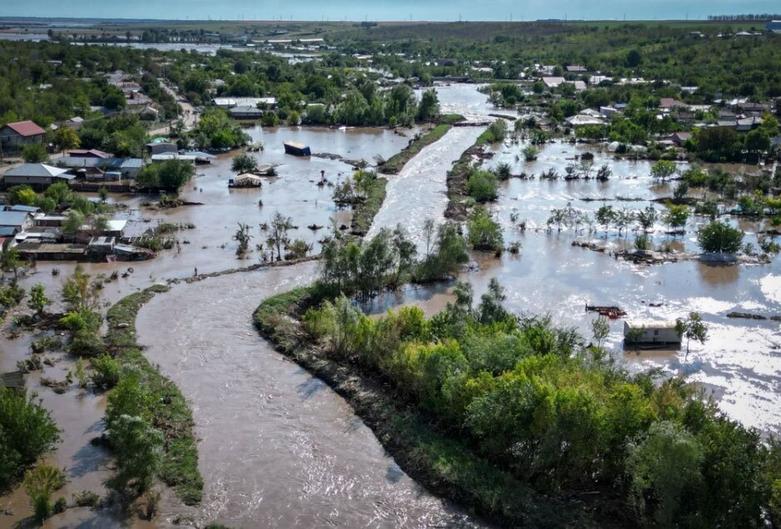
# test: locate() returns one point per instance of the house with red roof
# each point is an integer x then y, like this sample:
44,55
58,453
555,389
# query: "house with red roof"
15,136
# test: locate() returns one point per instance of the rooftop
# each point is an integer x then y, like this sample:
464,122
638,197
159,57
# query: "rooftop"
26,128
38,170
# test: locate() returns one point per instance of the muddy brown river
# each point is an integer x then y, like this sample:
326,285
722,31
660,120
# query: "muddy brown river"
278,448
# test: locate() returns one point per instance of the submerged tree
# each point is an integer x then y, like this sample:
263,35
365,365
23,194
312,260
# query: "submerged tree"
692,328
243,237
244,163
278,233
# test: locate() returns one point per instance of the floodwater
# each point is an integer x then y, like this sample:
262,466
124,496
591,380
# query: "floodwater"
740,364
419,191
277,447
210,248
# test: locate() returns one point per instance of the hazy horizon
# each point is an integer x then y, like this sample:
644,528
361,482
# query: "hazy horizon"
398,10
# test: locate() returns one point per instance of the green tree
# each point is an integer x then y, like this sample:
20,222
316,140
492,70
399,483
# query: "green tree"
26,432
10,261
663,169
428,109
692,328
600,329
173,174
662,467
719,237
482,185
73,222
244,163
676,216
484,232
66,138
23,195
138,448
278,233
34,153
38,300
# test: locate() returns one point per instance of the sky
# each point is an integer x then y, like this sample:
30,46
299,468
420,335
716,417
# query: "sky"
385,9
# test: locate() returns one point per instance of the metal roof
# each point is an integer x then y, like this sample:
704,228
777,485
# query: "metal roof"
26,128
38,170
13,218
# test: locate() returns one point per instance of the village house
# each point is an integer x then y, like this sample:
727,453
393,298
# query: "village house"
15,136
576,68
669,104
553,82
160,147
245,113
36,175
15,221
680,138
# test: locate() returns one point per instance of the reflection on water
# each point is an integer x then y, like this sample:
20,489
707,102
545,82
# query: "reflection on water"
277,447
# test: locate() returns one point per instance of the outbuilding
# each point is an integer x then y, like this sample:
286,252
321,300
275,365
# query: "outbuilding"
651,332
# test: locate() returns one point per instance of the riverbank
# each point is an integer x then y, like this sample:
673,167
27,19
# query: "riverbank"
443,464
172,415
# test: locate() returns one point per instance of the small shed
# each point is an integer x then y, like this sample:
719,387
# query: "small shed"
246,180
297,149
651,332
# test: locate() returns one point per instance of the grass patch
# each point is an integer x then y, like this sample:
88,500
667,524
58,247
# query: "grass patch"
395,163
364,212
171,414
451,119
443,463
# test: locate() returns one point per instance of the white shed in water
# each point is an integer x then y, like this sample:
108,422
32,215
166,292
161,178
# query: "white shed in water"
651,332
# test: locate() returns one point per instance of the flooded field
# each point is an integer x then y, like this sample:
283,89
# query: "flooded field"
277,447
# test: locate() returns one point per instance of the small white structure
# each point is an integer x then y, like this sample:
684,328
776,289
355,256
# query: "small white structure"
651,332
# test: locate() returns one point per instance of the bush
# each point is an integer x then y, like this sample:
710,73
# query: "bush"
244,163
495,132
26,431
86,342
482,186
40,483
106,372
719,237
484,232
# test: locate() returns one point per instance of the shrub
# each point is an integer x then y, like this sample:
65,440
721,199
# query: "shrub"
40,483
484,232
106,372
26,431
719,237
482,186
